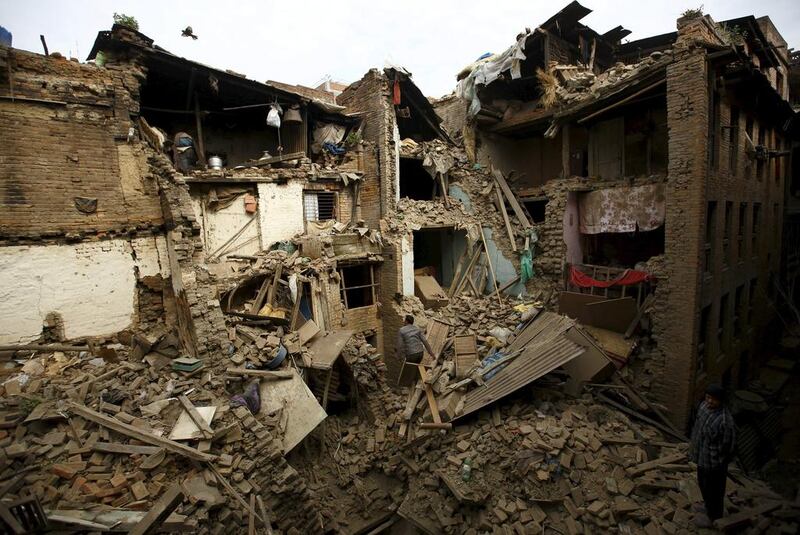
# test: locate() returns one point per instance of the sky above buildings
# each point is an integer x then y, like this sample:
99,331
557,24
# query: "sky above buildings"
302,41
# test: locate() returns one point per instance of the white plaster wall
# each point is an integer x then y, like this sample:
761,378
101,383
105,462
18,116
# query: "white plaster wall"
280,211
407,266
91,285
219,226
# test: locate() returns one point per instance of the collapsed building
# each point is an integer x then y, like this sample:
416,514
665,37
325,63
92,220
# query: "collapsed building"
203,277
656,166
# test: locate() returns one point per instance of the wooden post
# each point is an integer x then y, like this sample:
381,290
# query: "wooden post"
491,268
565,167
502,204
201,151
327,388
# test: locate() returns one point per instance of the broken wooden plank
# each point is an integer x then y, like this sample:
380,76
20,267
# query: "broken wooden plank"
434,407
273,290
262,293
251,519
656,463
502,204
43,347
447,426
264,374
124,449
745,517
649,300
491,269
264,517
233,492
136,433
639,416
162,508
466,354
198,420
512,199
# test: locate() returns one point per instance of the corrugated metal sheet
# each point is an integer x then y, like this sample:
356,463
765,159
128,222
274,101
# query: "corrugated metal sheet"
545,348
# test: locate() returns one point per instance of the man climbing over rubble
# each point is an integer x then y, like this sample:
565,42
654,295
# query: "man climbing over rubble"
411,343
713,440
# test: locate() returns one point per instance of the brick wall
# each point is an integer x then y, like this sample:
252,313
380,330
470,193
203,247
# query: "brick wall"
64,137
453,111
370,97
675,325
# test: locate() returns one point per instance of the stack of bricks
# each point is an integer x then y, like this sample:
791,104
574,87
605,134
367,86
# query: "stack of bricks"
291,504
200,319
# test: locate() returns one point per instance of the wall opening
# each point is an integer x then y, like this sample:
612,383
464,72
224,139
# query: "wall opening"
623,249
436,252
536,208
415,182
319,205
359,285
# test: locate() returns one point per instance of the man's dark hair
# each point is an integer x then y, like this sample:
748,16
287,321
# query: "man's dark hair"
716,390
409,319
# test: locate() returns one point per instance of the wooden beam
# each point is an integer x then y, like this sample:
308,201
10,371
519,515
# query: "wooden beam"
273,290
262,293
327,387
430,425
491,269
162,508
434,407
124,449
198,420
296,307
512,199
136,433
43,347
201,151
264,517
622,101
502,204
264,374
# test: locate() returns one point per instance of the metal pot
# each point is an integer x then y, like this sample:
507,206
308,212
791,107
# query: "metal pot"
215,162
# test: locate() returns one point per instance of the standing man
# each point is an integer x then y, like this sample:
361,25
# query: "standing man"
713,441
411,343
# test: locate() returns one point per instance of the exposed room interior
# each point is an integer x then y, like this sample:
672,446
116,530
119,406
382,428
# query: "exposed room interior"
437,250
415,182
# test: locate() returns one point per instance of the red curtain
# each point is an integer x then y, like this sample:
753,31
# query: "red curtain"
627,278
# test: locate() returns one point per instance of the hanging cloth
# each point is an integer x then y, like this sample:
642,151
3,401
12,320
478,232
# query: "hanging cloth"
627,278
396,93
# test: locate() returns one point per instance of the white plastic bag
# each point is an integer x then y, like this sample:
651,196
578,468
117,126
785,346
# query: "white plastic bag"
274,117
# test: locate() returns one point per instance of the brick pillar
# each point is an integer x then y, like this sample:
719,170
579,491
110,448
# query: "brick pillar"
676,319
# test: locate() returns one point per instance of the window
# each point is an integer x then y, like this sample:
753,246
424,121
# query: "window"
741,230
319,205
776,226
728,230
358,286
711,219
733,137
778,147
714,128
756,221
536,209
751,300
723,324
762,139
738,326
748,130
702,339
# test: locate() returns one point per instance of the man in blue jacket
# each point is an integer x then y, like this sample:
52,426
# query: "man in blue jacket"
712,448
